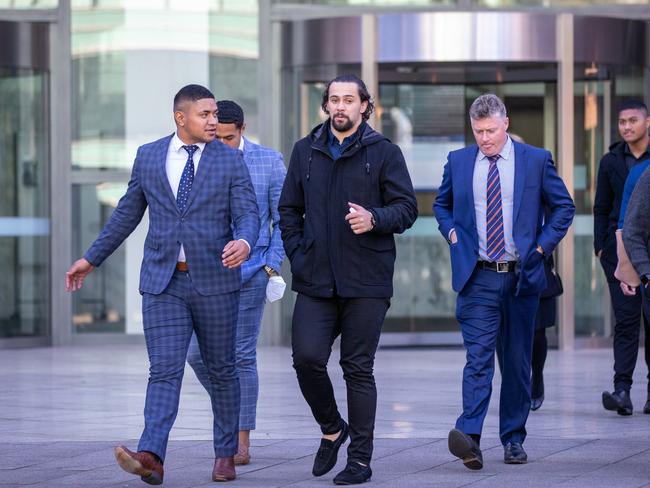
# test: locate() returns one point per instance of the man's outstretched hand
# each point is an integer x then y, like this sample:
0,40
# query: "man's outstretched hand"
77,273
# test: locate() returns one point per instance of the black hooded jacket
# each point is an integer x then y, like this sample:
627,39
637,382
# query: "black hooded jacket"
327,258
612,174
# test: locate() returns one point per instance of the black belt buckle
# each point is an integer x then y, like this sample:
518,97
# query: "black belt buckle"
502,266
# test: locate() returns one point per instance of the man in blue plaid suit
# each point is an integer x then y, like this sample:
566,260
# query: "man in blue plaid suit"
260,272
202,219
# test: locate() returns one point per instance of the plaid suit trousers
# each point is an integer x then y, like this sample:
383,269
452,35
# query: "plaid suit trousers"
169,320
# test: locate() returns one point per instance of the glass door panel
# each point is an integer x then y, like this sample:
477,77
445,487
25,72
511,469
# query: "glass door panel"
599,91
591,295
24,203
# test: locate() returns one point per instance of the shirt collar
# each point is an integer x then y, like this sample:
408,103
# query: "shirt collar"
505,153
177,144
241,144
332,139
627,151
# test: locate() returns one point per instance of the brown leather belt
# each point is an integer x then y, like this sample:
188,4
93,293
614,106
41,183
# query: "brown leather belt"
498,266
181,266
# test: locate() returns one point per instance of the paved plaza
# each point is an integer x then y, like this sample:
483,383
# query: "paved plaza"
63,409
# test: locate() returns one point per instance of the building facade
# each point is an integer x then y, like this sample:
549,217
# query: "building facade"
84,82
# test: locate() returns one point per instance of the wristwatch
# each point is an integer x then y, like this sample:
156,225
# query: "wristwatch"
270,271
644,280
373,222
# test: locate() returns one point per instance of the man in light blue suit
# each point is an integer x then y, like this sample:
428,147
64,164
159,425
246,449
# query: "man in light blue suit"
490,208
202,221
260,272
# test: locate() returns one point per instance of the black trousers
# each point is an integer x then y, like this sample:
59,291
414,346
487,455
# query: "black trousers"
628,312
546,317
317,322
540,350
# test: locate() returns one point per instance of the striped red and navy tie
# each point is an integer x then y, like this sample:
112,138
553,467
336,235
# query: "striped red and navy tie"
496,246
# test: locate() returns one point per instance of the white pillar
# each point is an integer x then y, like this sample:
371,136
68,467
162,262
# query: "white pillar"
154,72
565,158
369,69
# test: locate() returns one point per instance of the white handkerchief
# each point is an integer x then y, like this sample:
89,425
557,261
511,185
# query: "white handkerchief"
275,288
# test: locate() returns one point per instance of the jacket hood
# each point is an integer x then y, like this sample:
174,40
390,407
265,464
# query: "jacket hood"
368,134
616,147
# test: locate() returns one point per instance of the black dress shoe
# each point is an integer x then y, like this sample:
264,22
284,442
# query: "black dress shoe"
513,453
535,403
353,474
464,447
646,407
619,401
327,452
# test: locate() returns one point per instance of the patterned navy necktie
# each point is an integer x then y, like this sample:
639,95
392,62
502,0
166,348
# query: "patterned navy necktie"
496,246
187,178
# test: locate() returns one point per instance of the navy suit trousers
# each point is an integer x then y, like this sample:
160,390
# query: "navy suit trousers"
169,320
493,319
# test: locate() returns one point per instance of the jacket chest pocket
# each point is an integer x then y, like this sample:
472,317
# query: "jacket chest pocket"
359,180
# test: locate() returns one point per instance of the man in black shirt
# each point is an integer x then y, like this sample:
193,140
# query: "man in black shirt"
346,194
633,125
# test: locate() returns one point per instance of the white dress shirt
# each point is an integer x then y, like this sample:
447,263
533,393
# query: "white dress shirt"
176,159
506,166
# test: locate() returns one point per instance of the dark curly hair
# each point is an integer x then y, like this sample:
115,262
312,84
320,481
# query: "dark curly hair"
363,94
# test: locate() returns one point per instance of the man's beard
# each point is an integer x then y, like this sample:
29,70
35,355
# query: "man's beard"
345,126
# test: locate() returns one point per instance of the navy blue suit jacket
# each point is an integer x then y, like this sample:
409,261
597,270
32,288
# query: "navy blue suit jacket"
537,186
222,198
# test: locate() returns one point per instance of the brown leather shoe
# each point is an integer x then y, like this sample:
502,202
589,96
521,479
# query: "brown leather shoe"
224,469
242,457
143,464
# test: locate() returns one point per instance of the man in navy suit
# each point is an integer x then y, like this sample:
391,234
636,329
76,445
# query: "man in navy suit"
197,192
490,208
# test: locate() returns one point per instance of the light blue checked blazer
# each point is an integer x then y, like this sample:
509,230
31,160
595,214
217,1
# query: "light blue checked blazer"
221,207
267,171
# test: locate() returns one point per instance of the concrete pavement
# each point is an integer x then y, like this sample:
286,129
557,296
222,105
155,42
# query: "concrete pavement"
62,410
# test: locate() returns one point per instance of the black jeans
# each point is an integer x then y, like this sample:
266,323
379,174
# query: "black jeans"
540,350
628,312
316,323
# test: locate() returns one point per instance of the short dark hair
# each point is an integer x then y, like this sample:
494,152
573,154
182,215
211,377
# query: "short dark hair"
363,93
633,105
230,113
191,93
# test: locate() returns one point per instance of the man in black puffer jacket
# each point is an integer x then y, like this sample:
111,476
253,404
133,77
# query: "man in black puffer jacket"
346,193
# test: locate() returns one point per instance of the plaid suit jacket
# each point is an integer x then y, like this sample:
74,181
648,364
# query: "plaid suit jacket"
267,171
221,207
